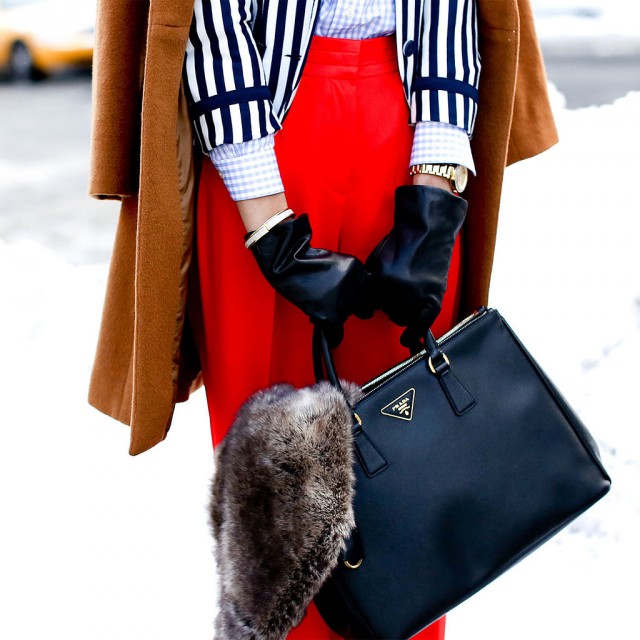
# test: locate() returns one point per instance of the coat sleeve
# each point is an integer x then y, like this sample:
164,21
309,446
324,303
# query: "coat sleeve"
121,26
447,76
229,98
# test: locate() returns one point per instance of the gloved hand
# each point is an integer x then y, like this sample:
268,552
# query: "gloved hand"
409,267
327,286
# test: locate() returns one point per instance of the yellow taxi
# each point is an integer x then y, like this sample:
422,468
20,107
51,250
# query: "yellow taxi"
38,37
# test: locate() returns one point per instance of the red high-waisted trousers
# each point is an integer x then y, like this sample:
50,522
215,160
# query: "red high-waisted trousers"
343,150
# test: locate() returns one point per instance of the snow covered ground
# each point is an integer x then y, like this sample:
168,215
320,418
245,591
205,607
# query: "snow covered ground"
97,545
567,277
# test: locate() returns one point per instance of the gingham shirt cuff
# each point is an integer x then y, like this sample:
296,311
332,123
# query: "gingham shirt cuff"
440,143
249,169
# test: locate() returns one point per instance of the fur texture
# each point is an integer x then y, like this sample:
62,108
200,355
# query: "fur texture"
281,506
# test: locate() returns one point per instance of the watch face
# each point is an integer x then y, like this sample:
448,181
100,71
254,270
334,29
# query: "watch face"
460,178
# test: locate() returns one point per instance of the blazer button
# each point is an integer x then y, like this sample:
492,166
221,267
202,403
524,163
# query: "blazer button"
409,48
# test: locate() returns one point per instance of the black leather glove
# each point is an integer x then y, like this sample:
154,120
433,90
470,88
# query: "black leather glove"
327,286
409,267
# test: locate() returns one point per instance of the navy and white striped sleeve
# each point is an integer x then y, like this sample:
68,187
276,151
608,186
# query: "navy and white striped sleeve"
448,71
229,98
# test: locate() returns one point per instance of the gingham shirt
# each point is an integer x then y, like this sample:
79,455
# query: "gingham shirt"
250,169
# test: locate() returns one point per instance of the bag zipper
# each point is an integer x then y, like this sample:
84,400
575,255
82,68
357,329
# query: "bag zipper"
476,315
369,387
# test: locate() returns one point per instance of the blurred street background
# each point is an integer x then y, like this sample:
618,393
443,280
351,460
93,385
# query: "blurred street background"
591,49
100,546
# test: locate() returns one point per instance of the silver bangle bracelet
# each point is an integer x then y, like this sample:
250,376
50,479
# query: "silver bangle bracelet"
266,226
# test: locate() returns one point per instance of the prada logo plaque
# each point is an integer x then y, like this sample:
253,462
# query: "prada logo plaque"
401,407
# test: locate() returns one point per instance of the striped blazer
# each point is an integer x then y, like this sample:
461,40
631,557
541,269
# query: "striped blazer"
245,58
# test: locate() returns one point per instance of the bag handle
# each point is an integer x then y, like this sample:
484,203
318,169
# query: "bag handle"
324,367
456,393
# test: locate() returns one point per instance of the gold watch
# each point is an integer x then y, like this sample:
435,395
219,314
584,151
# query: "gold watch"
455,173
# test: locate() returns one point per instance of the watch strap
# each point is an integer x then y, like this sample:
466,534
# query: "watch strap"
442,170
455,174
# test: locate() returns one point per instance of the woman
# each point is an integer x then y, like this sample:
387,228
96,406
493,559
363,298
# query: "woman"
349,105
145,361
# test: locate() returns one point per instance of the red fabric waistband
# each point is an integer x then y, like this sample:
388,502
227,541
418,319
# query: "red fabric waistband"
338,56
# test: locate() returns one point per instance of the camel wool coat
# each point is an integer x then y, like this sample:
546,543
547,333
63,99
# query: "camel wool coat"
143,155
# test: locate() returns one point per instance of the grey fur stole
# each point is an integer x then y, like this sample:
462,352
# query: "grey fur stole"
281,507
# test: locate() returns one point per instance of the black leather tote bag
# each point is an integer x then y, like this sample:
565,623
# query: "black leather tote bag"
468,459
